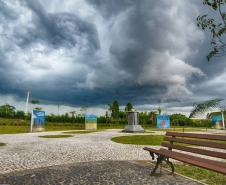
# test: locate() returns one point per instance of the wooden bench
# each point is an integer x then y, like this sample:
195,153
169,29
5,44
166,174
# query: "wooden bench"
190,143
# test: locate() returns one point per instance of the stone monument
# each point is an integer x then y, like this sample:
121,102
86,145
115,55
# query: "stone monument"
133,122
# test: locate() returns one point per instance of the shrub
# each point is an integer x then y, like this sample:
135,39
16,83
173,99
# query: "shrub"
201,123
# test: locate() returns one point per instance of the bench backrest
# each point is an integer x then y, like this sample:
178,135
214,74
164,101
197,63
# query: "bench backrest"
191,142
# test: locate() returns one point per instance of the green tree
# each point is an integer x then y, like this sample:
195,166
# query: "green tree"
35,103
20,114
159,110
205,106
7,110
180,120
129,106
38,108
114,108
216,24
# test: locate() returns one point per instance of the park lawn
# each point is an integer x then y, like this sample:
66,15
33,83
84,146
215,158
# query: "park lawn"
56,136
139,139
203,175
5,129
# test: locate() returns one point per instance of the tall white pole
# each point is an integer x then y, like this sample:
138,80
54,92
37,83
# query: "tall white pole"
32,121
26,106
222,113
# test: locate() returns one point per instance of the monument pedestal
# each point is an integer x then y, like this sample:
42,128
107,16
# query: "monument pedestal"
133,125
133,128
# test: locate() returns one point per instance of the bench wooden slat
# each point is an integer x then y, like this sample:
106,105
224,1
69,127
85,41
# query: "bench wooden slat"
196,161
200,136
196,158
168,153
151,149
197,142
196,150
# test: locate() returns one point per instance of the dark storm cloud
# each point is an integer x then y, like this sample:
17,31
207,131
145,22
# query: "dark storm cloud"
91,52
61,29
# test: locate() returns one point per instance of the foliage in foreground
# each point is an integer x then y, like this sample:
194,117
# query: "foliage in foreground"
205,106
215,23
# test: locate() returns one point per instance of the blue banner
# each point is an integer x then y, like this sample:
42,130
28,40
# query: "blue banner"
163,121
39,118
217,120
90,118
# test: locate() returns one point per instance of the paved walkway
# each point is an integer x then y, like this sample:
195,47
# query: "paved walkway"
75,160
99,173
28,151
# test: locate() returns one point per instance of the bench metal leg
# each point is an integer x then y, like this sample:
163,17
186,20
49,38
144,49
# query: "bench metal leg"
160,159
170,164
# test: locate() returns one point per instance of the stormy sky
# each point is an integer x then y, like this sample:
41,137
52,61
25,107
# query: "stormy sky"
89,52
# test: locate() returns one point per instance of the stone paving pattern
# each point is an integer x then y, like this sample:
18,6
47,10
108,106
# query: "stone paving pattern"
28,151
99,173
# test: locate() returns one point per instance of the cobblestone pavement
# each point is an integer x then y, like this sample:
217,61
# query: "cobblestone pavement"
102,172
28,151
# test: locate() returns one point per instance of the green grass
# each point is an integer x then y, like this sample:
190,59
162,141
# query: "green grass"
4,129
139,139
203,175
61,128
178,129
13,122
2,144
110,126
82,132
56,136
